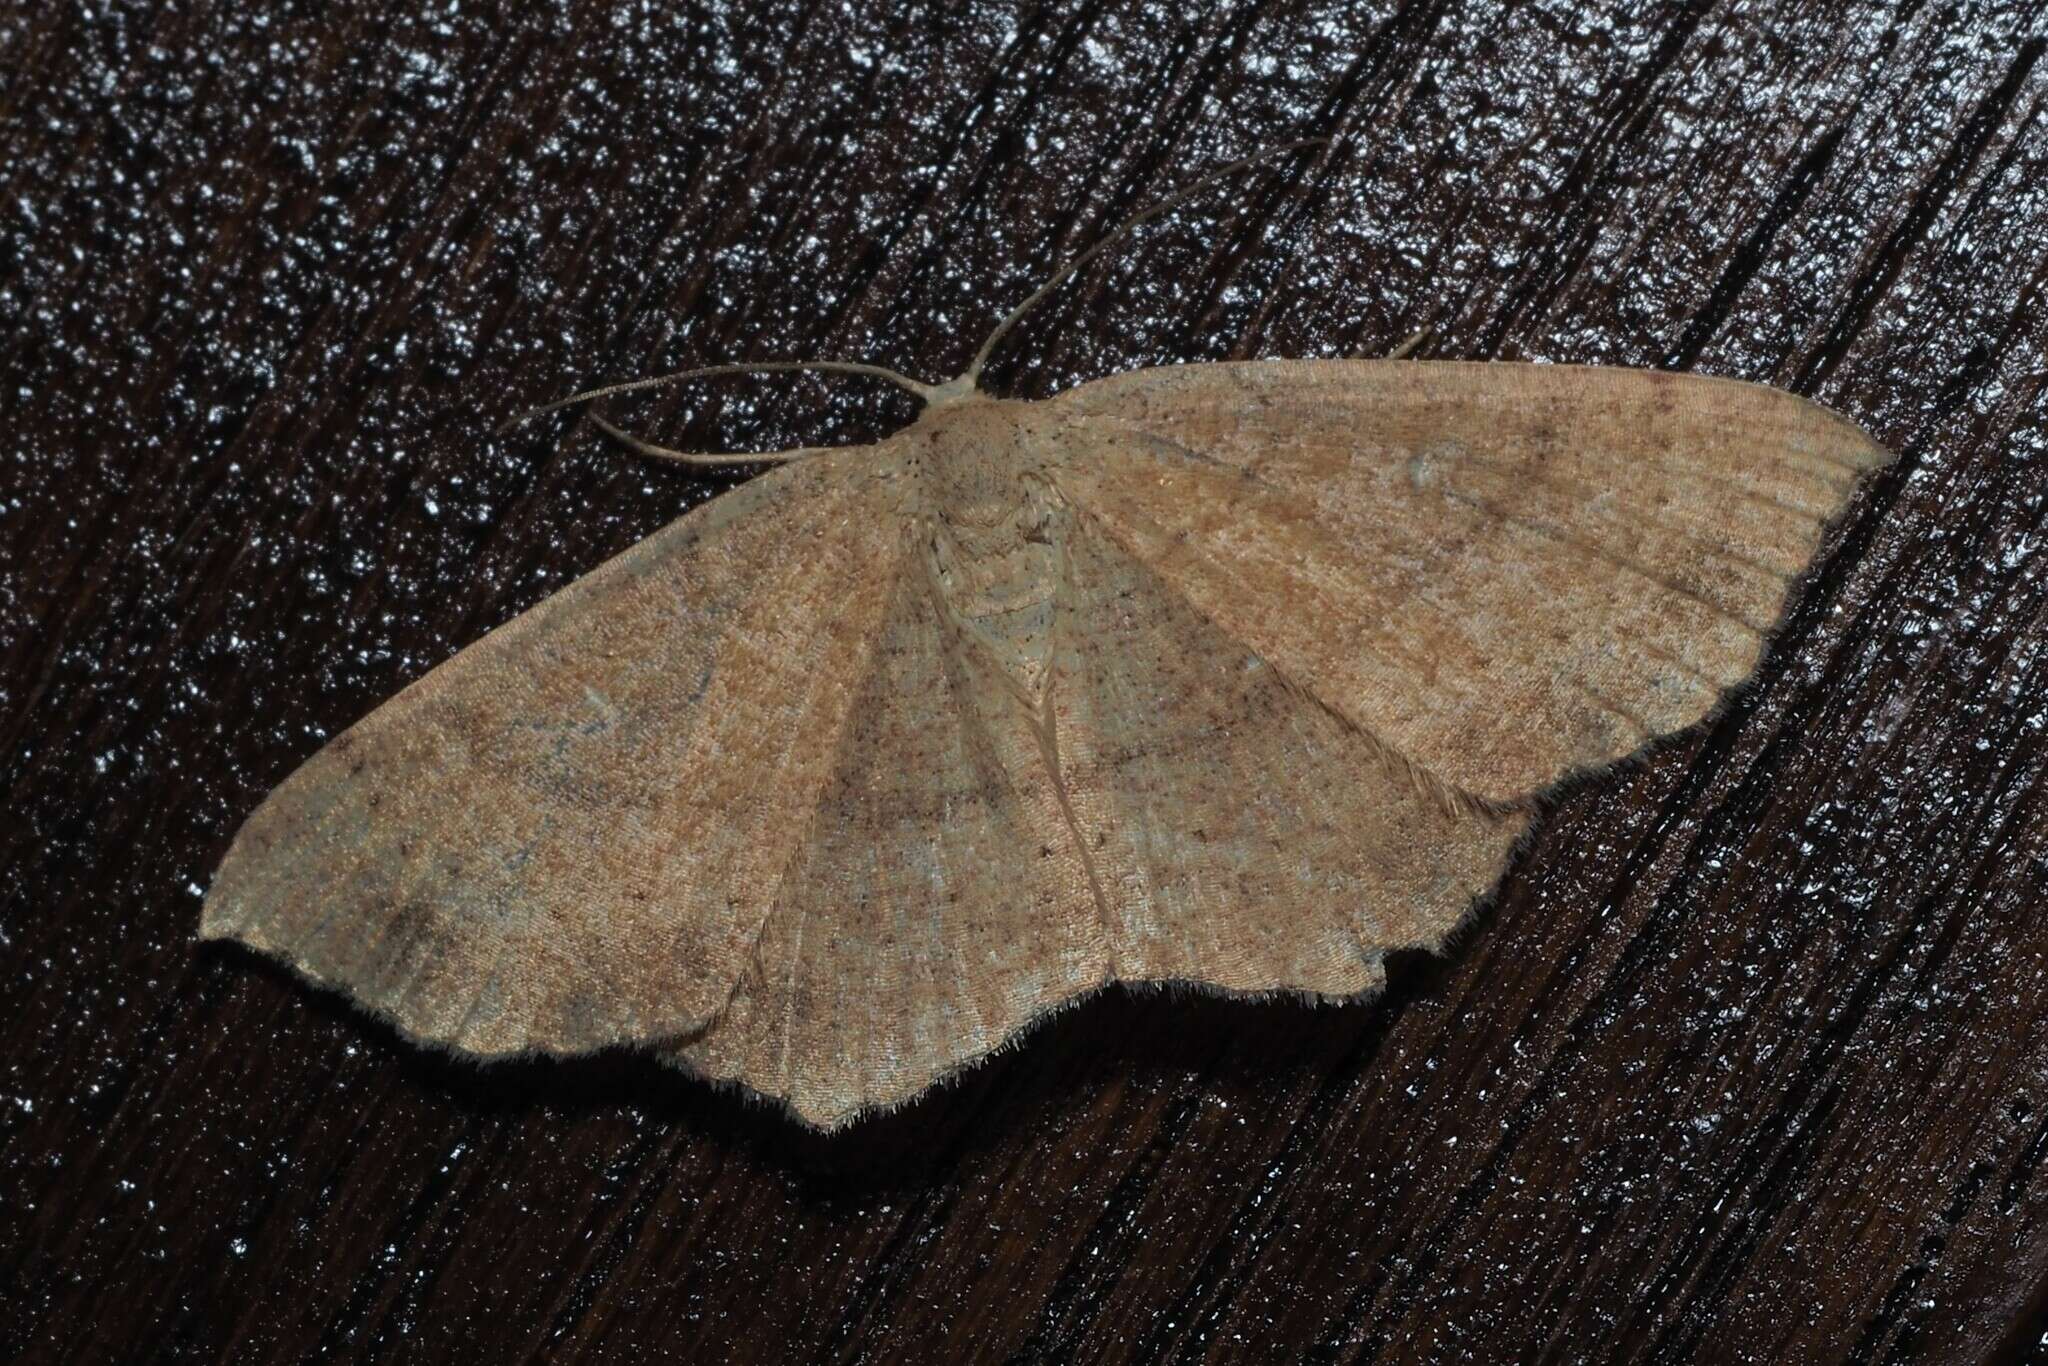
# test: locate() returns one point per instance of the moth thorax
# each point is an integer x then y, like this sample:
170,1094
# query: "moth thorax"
997,562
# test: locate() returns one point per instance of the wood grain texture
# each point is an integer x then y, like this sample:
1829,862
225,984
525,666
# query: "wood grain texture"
1749,1061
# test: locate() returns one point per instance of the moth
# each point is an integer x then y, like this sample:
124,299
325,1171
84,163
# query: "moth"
1242,675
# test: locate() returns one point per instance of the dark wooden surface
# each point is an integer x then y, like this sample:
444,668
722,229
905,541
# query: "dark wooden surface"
1749,1059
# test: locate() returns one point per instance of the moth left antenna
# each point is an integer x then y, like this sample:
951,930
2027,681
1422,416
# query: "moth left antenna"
972,378
839,367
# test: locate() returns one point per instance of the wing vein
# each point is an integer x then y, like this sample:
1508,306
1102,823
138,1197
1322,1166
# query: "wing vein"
827,775
1613,557
1450,796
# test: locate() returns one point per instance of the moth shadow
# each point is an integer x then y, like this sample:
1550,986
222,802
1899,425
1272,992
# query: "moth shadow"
1127,1055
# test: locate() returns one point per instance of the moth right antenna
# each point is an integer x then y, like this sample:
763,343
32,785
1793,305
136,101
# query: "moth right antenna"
972,378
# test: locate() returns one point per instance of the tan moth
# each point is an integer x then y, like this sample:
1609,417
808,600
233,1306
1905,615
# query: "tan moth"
1242,675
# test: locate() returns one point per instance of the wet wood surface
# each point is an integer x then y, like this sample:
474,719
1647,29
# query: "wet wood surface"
1746,1061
